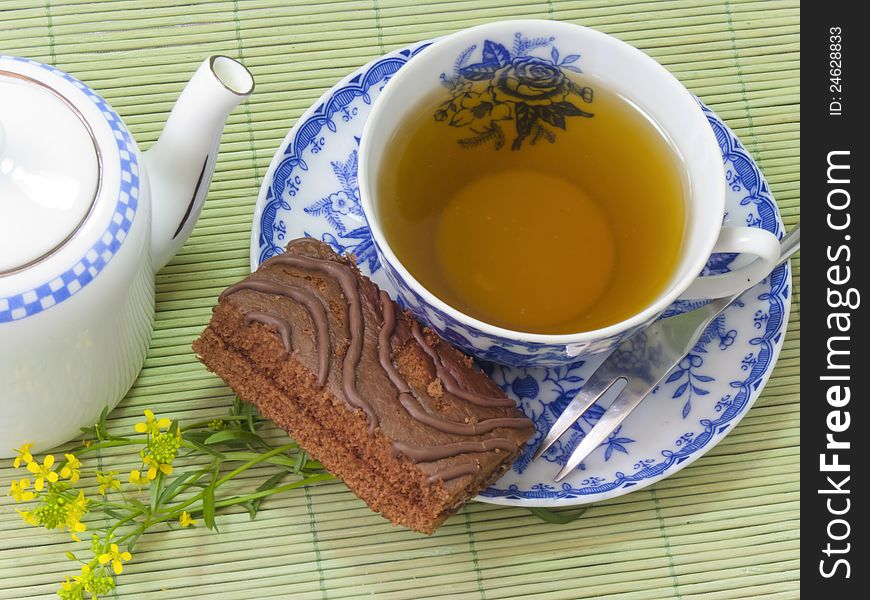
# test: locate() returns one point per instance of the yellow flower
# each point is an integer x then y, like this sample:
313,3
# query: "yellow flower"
69,587
57,511
96,582
136,477
18,490
72,590
71,469
185,519
160,452
79,528
81,503
42,472
154,466
23,454
28,516
117,557
108,482
74,514
86,571
152,425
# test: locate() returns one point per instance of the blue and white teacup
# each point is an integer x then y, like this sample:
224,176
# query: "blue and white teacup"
535,55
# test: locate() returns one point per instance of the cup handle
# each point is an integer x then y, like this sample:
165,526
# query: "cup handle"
744,240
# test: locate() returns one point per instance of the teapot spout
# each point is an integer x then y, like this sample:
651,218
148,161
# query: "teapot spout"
181,162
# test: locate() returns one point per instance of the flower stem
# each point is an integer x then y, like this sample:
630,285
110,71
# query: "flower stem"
107,444
254,495
277,490
258,458
274,460
206,423
114,527
244,467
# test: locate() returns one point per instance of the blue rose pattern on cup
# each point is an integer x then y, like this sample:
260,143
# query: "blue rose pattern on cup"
513,93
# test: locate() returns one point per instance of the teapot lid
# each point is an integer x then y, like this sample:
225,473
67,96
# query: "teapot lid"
49,171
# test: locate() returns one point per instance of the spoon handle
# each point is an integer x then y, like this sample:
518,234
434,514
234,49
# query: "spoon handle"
790,243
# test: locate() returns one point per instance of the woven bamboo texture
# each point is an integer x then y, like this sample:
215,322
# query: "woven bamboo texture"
724,528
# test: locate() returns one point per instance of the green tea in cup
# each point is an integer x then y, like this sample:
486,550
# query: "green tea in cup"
534,199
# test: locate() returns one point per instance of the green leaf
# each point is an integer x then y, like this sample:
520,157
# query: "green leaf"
560,517
131,543
100,426
138,505
70,555
113,513
266,445
101,429
227,435
266,485
154,491
301,459
247,411
206,449
196,436
252,510
208,505
174,488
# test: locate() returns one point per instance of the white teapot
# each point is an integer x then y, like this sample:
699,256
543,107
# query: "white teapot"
86,220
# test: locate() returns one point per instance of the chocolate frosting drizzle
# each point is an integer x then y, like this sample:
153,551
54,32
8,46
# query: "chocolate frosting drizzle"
454,472
409,398
280,324
347,280
433,453
303,297
411,402
448,380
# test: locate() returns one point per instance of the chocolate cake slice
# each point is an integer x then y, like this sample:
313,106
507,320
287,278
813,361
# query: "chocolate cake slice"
382,402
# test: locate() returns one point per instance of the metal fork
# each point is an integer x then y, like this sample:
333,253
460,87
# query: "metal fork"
637,366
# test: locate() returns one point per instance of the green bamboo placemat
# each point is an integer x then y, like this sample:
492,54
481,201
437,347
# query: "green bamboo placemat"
725,527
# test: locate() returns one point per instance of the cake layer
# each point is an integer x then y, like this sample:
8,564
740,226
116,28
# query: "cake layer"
400,415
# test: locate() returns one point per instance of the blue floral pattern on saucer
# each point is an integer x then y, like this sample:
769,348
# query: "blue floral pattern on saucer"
342,107
309,190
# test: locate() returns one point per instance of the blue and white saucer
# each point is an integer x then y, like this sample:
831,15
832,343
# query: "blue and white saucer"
311,190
